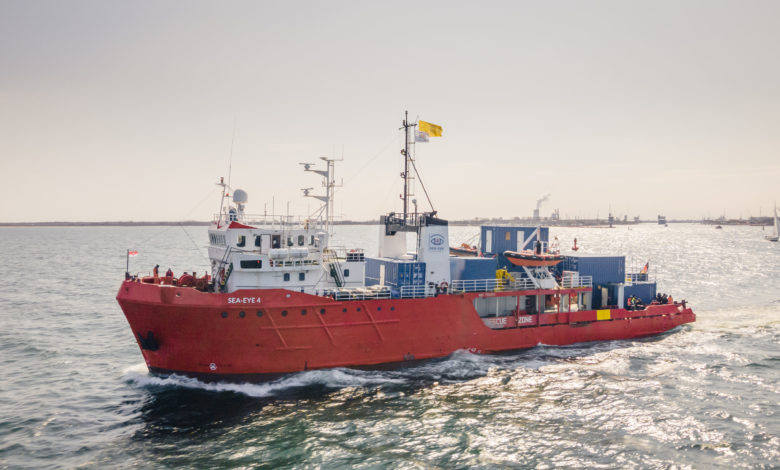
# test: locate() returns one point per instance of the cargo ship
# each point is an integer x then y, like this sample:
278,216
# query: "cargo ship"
281,298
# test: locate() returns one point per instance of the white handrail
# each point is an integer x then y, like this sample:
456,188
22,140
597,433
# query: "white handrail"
570,282
412,292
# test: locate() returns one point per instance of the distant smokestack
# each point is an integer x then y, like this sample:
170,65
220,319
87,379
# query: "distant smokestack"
539,205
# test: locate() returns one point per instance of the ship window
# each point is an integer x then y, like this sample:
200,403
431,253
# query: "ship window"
303,312
289,240
284,313
301,276
259,313
507,235
242,314
311,240
257,240
224,314
286,276
346,273
241,240
251,263
301,240
488,241
276,241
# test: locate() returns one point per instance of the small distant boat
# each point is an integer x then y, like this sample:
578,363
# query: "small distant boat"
774,236
718,227
464,250
532,259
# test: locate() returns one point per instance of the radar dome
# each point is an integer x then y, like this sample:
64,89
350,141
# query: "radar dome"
240,196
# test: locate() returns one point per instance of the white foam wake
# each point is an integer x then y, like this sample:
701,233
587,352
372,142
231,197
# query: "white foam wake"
139,376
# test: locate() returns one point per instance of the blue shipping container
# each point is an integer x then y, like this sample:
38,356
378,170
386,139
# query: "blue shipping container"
471,268
495,240
603,269
398,273
644,290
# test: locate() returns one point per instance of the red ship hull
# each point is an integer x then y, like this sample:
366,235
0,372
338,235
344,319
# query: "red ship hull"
258,334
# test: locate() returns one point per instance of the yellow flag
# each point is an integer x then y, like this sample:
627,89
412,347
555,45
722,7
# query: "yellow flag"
431,129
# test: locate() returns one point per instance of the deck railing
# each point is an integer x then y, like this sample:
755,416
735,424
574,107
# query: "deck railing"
413,292
358,293
570,282
476,285
636,277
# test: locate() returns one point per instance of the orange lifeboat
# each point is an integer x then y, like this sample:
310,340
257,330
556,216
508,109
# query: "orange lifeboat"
464,250
531,259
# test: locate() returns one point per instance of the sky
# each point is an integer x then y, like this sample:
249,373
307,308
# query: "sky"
131,111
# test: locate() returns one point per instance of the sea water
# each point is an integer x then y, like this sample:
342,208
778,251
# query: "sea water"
74,391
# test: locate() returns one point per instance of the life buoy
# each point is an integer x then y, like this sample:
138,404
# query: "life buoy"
443,286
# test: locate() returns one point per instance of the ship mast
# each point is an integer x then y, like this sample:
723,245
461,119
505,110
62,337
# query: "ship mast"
405,152
329,183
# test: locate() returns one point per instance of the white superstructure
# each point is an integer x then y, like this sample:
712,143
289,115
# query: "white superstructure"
273,252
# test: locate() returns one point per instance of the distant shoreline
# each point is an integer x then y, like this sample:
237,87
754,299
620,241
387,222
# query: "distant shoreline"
583,223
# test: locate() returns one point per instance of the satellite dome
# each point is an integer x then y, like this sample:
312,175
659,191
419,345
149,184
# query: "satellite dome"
240,196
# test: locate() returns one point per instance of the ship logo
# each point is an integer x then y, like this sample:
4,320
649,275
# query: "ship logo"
436,242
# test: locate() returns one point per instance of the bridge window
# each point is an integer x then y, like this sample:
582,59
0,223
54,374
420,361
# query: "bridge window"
257,240
276,241
241,240
311,240
301,240
252,263
301,276
289,240
346,273
286,276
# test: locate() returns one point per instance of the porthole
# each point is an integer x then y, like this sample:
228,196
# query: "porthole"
224,314
259,313
242,314
284,313
357,309
303,312
379,309
322,311
392,308
344,310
